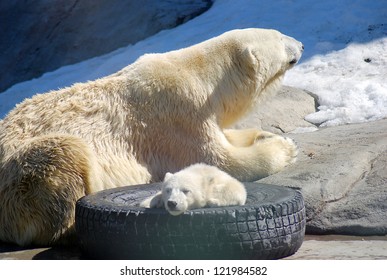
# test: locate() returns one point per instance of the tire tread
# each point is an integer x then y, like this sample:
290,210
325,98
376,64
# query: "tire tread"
262,231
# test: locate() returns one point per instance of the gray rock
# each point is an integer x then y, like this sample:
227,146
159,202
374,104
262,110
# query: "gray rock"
342,173
339,247
283,112
38,36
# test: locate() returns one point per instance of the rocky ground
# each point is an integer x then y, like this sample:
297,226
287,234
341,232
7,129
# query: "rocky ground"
315,247
341,171
342,247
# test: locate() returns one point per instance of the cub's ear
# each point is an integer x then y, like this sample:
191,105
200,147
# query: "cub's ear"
167,176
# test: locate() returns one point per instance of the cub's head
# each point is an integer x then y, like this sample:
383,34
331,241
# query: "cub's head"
182,192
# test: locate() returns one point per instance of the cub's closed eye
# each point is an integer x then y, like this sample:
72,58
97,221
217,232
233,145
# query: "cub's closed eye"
186,191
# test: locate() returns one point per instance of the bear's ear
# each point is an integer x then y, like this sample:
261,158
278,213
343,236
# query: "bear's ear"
167,176
249,55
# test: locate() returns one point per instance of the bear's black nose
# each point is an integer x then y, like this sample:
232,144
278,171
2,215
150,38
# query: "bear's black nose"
171,204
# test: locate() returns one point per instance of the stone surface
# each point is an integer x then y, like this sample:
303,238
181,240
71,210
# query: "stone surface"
38,36
341,248
342,173
283,112
329,247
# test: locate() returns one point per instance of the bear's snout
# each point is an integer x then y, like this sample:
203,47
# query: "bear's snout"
172,204
293,48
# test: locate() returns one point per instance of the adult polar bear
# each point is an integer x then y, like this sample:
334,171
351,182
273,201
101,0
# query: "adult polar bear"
161,113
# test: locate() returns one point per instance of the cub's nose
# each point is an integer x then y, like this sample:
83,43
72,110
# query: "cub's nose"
171,204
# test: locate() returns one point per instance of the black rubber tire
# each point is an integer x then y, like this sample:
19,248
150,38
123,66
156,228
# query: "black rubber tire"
271,225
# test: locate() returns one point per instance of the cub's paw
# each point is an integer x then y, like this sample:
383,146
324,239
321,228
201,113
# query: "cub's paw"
153,202
213,202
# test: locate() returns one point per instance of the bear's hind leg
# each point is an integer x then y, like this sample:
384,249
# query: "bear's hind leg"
39,186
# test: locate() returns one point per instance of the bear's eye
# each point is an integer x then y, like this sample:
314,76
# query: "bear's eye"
168,191
185,191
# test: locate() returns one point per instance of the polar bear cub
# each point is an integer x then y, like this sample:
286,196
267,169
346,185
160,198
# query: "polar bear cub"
197,186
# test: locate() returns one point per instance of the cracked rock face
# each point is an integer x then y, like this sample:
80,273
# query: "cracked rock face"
342,173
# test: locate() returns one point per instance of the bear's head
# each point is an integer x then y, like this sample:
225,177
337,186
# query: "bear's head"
182,192
268,51
259,59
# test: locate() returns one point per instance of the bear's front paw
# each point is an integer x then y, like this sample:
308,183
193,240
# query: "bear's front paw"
291,150
278,151
288,151
262,135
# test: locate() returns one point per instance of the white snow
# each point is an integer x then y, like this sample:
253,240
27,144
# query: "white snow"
344,64
351,83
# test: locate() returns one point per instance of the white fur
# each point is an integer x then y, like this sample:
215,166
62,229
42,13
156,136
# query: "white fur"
197,186
162,113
